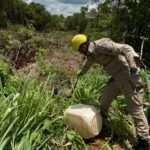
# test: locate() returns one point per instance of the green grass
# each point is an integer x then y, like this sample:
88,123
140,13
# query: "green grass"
31,116
31,111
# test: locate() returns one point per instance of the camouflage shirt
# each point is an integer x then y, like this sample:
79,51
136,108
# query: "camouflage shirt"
114,57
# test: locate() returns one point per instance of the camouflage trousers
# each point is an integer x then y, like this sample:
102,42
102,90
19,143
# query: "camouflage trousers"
129,87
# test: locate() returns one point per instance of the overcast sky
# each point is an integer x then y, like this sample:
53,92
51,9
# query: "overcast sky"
65,7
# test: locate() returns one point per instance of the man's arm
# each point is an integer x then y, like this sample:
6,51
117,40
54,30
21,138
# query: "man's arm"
85,67
130,55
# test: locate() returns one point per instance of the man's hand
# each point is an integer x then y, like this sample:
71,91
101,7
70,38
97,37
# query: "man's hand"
79,73
134,71
135,78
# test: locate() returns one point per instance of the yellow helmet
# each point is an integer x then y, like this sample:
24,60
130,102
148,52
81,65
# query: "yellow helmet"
78,40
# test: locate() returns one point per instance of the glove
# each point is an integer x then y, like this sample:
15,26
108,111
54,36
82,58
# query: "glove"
136,79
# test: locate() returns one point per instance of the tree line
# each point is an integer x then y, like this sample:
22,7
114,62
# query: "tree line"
33,14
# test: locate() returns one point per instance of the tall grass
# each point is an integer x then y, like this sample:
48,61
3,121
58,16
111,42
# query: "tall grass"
31,116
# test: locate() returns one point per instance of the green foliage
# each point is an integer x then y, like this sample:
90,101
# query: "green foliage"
75,140
90,86
31,116
119,126
15,46
131,23
77,22
31,113
126,21
46,69
123,21
5,70
31,15
20,44
24,33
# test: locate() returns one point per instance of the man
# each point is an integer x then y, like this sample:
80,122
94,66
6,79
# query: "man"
119,61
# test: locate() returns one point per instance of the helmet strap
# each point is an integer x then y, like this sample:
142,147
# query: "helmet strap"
84,48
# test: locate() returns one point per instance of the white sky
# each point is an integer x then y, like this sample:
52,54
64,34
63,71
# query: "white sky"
65,7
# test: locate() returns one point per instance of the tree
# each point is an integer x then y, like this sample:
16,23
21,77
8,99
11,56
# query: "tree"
19,12
77,22
131,21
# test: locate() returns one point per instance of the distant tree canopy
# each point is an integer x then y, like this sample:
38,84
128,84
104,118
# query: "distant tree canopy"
78,21
131,23
19,12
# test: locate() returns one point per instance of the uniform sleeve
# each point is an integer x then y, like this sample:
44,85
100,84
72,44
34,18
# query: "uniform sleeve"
85,66
130,55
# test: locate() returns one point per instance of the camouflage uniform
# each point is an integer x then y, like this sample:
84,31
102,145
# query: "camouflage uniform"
117,60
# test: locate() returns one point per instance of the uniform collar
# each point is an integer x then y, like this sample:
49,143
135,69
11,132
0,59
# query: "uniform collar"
91,47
